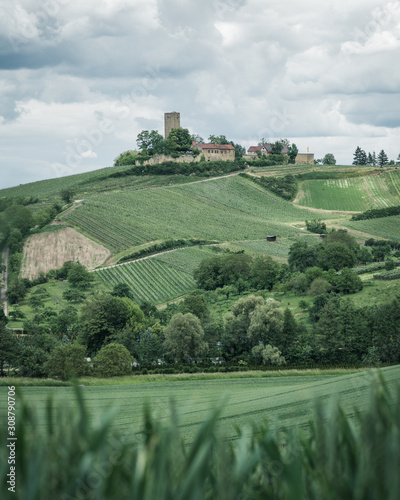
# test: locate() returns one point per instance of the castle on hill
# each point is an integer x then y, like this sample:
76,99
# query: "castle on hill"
218,152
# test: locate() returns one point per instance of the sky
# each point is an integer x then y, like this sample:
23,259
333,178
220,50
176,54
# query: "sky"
80,80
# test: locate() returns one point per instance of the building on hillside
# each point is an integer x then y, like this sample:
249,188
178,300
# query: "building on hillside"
171,120
305,159
215,152
265,149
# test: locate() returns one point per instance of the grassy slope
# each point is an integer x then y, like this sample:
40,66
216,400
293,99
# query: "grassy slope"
225,209
287,401
351,194
386,227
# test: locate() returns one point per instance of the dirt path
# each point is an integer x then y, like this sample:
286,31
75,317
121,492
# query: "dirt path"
366,189
3,297
323,211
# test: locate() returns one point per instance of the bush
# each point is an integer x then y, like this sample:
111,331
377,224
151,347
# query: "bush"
67,361
112,360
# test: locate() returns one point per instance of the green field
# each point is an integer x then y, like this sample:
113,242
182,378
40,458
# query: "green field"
287,401
385,227
279,249
351,194
222,210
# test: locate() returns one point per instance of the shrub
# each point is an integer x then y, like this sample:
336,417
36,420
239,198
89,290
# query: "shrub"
112,360
67,361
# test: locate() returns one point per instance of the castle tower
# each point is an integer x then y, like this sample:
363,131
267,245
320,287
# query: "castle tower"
171,120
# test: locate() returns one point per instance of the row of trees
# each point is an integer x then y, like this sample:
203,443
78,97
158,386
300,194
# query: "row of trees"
363,158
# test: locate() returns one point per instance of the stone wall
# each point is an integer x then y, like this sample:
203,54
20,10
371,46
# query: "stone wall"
305,159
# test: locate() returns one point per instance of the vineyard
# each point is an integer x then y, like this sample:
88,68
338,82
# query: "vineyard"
351,194
222,210
386,227
149,280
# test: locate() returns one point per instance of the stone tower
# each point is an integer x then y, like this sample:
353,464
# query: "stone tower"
171,120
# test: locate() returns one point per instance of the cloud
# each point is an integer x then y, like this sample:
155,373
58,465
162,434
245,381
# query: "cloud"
320,73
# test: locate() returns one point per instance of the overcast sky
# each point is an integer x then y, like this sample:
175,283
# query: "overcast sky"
80,79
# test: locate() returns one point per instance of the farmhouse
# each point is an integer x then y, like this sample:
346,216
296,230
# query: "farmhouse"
215,152
265,149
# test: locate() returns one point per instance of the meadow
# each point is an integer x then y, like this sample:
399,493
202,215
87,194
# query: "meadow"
285,401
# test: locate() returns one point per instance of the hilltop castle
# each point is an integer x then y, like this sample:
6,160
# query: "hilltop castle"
217,152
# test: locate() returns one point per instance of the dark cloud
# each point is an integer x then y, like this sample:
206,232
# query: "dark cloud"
246,69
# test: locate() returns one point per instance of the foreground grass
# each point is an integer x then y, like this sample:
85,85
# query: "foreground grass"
338,456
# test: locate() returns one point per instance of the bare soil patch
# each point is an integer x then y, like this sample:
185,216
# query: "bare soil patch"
46,251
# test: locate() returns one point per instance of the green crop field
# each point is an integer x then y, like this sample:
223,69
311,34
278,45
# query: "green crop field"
351,194
279,249
223,210
385,227
285,401
149,280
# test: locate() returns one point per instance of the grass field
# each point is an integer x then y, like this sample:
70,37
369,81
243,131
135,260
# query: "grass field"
287,401
351,194
385,227
223,210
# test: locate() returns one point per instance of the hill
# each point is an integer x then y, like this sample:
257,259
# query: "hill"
121,216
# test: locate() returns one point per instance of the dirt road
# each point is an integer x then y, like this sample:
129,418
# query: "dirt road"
4,260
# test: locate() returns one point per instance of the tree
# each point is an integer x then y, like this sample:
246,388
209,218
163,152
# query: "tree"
298,283
301,256
263,272
336,256
126,158
184,338
102,315
112,360
8,347
319,286
292,153
67,195
150,143
121,290
316,226
267,355
348,281
382,158
266,324
73,295
196,305
178,141
78,274
360,157
276,147
218,139
16,291
67,361
328,159
31,361
18,217
398,159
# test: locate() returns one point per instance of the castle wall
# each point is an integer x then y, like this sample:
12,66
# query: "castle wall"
305,159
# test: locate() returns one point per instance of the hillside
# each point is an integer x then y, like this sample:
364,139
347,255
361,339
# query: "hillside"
122,215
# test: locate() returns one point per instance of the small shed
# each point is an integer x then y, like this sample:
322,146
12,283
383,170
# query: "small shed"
271,238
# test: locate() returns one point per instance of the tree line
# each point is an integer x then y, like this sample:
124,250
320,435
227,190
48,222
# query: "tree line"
120,335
